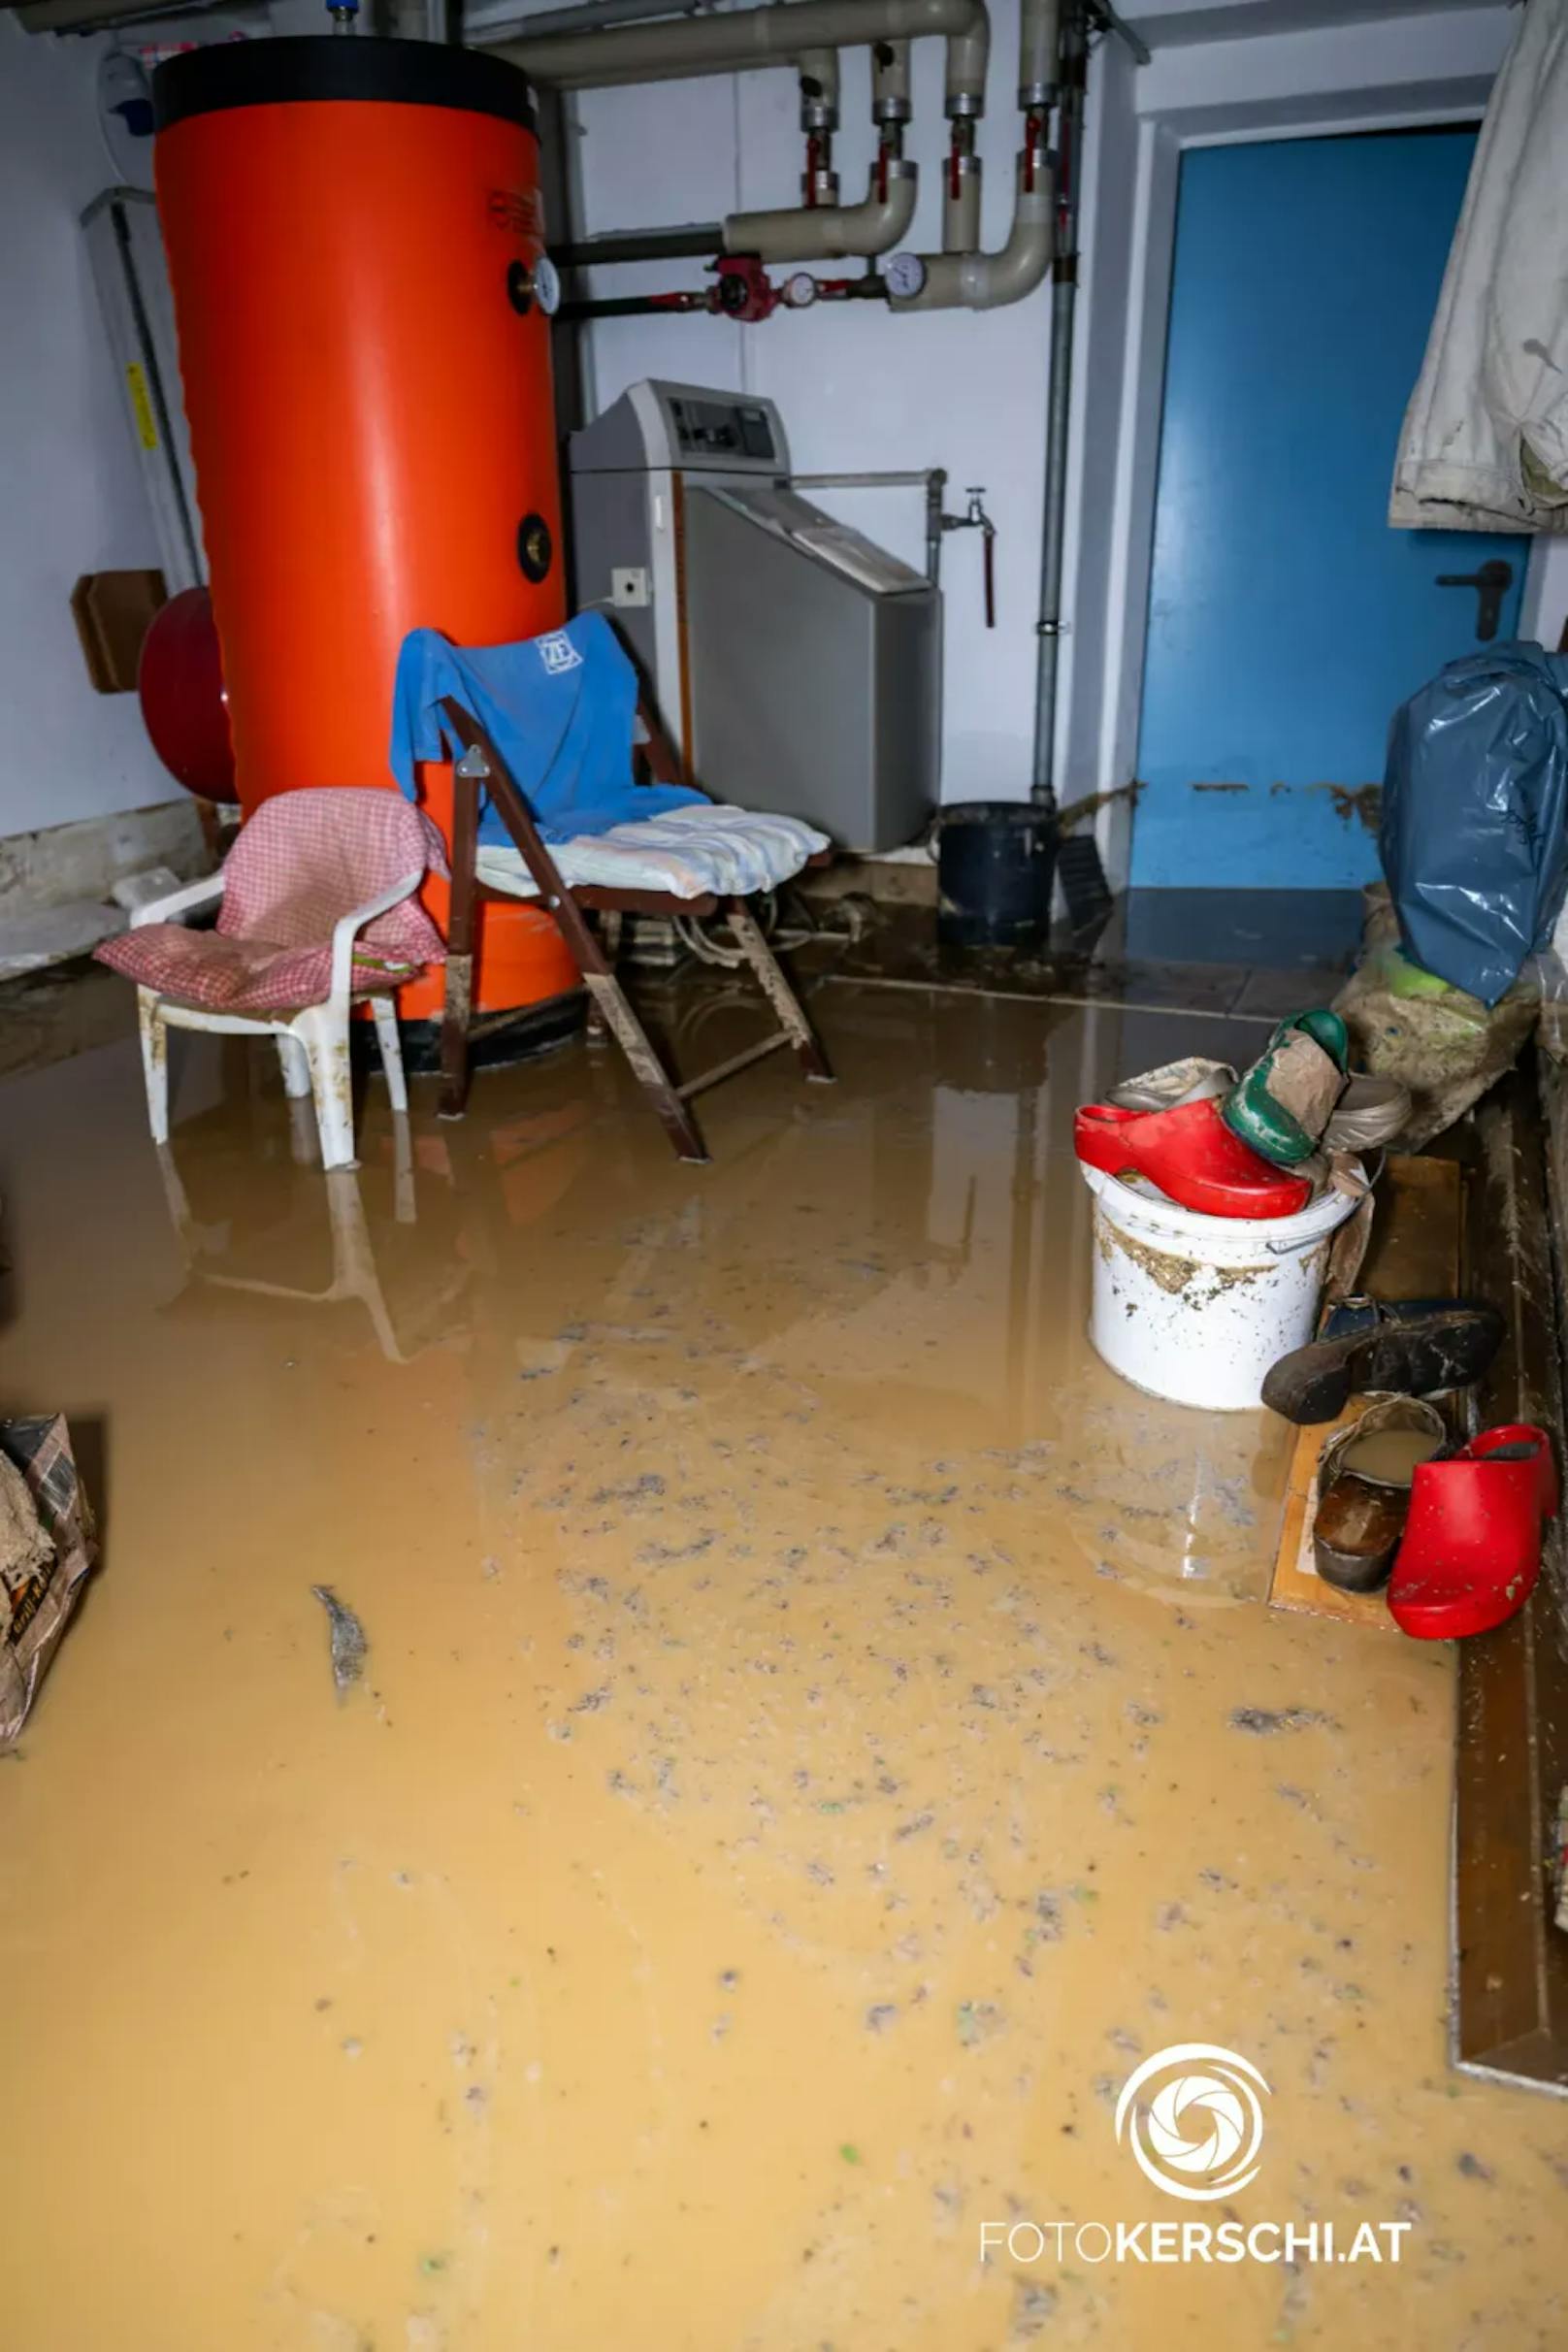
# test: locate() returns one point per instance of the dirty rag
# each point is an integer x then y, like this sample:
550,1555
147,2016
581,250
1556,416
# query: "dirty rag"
1446,1048
1485,441
24,1545
39,1589
559,709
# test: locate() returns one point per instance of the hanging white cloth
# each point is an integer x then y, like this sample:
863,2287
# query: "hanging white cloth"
1484,443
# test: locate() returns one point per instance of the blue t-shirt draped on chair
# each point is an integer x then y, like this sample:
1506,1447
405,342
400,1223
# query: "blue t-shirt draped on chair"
560,711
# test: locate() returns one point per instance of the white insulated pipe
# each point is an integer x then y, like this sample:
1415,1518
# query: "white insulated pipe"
890,101
960,278
679,49
818,69
830,232
961,182
1037,35
964,79
983,282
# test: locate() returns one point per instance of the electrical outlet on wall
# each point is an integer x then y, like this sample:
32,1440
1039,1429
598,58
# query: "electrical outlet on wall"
628,586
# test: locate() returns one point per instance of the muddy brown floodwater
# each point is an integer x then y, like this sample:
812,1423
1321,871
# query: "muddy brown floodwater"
817,1733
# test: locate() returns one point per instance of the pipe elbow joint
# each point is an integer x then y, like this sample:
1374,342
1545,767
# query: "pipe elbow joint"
986,281
992,279
830,232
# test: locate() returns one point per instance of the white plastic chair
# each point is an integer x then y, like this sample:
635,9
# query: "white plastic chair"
313,1044
287,931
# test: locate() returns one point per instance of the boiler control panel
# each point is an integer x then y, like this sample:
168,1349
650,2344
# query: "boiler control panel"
688,427
723,428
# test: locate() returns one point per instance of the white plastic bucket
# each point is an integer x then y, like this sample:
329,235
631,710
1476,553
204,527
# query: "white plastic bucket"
1197,1308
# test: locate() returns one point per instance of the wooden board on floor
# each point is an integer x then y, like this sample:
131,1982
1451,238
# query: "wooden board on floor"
1415,1253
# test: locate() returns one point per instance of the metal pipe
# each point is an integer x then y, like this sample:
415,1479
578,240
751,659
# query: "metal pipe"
936,492
933,480
691,46
904,477
1073,68
701,239
83,16
830,232
633,305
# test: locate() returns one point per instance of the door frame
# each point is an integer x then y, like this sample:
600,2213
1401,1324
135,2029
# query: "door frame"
1146,121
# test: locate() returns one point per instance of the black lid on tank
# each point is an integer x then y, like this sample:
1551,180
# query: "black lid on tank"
295,68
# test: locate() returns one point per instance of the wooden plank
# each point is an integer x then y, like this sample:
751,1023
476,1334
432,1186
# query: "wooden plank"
1415,1253
1511,1961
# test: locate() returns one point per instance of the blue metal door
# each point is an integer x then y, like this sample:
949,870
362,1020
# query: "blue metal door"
1287,620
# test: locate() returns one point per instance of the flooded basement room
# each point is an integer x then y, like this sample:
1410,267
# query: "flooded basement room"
784,1176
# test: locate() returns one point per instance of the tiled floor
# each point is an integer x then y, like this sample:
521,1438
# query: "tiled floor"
1249,955
820,1735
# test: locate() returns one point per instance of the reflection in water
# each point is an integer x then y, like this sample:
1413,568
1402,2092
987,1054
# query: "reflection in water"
791,1780
354,1272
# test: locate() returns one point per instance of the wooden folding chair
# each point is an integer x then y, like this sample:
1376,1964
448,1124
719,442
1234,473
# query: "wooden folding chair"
482,767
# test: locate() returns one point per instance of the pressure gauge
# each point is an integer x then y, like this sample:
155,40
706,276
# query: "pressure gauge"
905,275
801,290
540,284
547,285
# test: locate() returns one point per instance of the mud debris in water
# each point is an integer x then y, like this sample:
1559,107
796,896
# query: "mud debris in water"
346,1637
1265,1722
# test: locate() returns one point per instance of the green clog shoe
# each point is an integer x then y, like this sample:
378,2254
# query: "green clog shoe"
1282,1105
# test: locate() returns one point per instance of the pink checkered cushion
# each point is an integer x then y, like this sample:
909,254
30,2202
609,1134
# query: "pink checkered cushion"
302,863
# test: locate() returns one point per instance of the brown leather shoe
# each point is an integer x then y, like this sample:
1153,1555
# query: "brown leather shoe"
1364,1489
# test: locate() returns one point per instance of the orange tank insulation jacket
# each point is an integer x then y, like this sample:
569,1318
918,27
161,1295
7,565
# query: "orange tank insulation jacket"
368,386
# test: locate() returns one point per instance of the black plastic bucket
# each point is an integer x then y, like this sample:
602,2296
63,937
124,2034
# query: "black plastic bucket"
995,865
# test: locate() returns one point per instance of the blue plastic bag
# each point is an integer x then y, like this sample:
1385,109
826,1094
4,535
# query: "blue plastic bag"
1474,835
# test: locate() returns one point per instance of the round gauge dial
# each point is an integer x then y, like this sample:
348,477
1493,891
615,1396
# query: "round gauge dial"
905,276
547,285
801,290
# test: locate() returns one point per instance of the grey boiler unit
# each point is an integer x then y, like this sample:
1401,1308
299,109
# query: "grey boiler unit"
795,664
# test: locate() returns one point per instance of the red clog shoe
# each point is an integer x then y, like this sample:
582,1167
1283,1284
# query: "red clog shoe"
1191,1155
1471,1551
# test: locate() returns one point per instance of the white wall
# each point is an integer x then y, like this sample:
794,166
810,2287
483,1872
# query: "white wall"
1543,614
71,496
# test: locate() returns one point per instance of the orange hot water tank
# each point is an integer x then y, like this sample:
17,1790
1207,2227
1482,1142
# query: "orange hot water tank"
351,226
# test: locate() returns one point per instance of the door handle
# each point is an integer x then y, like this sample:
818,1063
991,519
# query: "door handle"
1490,583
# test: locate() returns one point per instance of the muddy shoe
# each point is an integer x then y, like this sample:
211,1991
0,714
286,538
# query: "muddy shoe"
1369,1113
1191,1154
1285,1102
1363,1491
1471,1555
1195,1079
1411,1346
